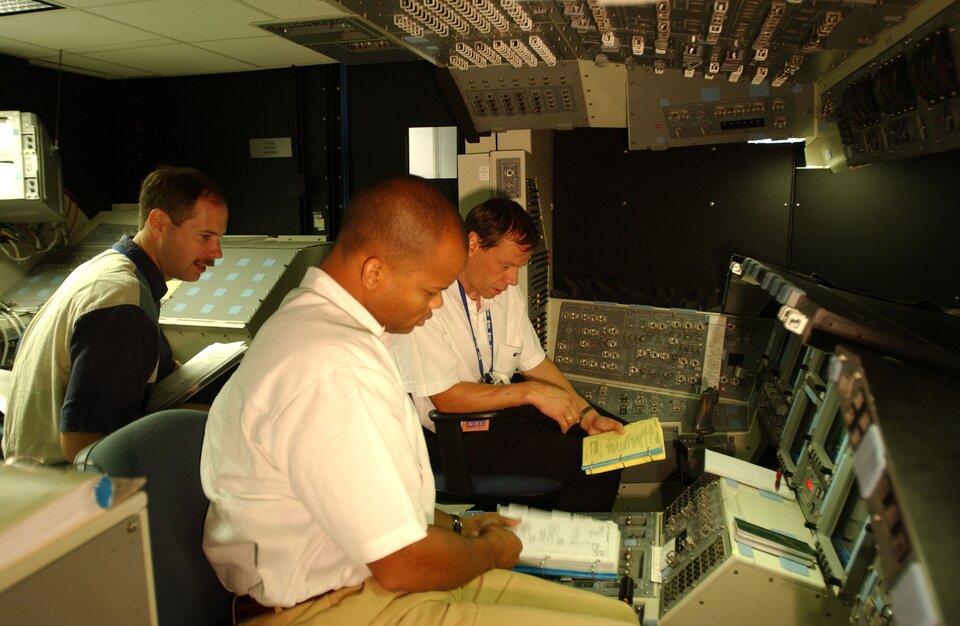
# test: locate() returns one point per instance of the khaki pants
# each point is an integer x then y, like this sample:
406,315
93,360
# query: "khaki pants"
498,597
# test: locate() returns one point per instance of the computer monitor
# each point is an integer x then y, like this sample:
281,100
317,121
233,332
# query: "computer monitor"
822,369
787,358
836,438
775,343
795,377
843,535
800,420
31,182
815,468
847,532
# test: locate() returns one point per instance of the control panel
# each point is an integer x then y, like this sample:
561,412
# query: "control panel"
631,405
34,289
695,540
671,110
787,367
906,101
673,73
673,350
871,606
536,285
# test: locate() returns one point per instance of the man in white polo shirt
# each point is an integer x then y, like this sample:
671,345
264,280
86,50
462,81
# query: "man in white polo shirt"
462,360
322,497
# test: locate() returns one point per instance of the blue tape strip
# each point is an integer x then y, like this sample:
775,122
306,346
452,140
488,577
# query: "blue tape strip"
771,496
793,566
104,492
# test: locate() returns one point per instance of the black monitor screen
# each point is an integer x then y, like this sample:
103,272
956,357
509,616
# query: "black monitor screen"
809,412
849,525
779,344
824,372
835,438
785,351
798,371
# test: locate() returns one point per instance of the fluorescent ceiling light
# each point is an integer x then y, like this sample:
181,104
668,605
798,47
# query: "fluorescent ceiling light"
787,140
13,7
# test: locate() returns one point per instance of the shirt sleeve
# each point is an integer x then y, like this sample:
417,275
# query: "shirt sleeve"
113,353
427,358
166,364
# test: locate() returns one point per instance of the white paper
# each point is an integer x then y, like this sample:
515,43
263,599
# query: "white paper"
194,375
746,473
560,540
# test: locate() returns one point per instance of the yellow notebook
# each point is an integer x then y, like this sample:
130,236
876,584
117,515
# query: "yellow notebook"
641,443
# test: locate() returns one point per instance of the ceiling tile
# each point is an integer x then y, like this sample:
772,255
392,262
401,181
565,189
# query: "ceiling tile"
123,45
296,9
23,49
269,51
187,20
87,65
67,29
83,4
173,60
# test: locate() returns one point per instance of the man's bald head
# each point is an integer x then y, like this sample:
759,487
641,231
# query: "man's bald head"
400,220
402,243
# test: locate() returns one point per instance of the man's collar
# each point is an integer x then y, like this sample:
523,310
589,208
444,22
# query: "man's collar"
145,265
325,284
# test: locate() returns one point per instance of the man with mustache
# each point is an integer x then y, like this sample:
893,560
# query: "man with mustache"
88,359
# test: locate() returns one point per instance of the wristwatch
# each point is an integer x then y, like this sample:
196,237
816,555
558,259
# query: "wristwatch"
457,526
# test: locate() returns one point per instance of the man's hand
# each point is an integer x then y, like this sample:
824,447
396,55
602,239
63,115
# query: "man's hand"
471,526
594,423
505,545
554,402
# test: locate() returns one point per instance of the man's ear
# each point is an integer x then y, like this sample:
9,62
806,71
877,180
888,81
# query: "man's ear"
371,273
158,220
473,243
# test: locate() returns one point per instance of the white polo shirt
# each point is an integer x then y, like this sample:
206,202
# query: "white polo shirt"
313,459
441,353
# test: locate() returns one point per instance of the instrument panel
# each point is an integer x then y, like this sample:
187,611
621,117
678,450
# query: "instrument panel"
674,350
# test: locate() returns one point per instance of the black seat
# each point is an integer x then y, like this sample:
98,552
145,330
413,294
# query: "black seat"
455,484
165,448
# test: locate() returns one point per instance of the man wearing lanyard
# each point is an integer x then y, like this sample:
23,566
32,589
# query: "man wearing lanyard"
463,358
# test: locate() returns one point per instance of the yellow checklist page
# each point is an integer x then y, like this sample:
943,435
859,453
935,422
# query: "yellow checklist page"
641,443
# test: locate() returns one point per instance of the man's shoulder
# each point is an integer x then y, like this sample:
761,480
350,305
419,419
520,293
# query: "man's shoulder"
315,326
103,281
109,267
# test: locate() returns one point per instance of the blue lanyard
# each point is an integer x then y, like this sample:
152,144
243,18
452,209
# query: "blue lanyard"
466,308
